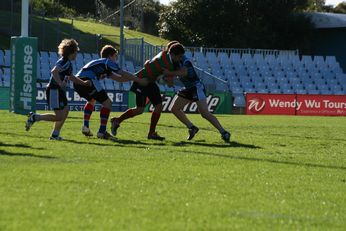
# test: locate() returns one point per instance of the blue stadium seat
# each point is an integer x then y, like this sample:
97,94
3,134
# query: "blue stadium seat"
301,91
211,56
249,90
282,80
297,86
130,67
313,92
188,54
319,60
237,91
199,56
2,62
234,84
336,88
263,91
310,87
95,56
275,91
272,85
239,101
326,92
162,88
235,58
53,57
341,92
223,58
288,91
331,61
7,58
322,87
109,84
87,58
259,59
307,60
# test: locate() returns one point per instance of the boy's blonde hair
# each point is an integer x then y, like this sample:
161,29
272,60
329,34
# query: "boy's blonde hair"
107,51
67,47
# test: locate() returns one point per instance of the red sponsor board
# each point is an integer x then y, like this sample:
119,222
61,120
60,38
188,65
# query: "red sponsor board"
270,104
281,104
322,105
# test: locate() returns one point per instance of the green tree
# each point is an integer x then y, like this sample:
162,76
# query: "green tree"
340,8
237,23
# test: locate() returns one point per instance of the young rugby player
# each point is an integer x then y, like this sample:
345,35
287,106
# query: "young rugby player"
94,71
193,91
56,89
152,70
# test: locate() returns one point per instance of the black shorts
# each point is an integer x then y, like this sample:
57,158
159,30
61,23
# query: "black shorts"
56,98
194,94
152,91
90,93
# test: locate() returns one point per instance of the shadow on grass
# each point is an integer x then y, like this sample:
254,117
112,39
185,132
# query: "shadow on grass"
16,135
5,153
112,143
19,146
310,165
232,144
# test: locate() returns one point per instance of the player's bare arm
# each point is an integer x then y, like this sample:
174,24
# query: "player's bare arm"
55,72
79,81
181,72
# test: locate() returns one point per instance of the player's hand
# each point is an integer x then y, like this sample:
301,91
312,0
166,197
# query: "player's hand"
71,77
103,76
63,84
87,83
143,82
166,72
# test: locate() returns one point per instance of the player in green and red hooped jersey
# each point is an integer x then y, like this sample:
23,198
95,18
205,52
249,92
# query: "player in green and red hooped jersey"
152,70
193,91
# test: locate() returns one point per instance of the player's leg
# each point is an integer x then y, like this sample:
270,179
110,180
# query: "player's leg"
104,114
88,110
154,95
62,115
203,109
177,110
132,112
85,92
54,102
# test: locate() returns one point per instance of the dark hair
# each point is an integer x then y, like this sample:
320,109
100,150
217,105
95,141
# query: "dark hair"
176,49
107,51
67,47
170,44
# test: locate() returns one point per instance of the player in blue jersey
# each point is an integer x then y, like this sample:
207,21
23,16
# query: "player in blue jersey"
56,89
94,71
193,91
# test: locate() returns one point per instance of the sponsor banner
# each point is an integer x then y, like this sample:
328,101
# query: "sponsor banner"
273,104
270,104
4,97
322,105
76,103
218,103
23,74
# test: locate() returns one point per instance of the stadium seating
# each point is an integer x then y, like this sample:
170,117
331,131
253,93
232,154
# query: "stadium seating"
244,73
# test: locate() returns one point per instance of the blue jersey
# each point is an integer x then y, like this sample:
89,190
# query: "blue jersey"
65,69
95,69
191,79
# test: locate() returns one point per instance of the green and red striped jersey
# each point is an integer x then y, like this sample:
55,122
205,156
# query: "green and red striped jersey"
154,68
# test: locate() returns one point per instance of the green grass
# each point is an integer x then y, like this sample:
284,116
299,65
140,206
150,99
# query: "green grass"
279,173
50,32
